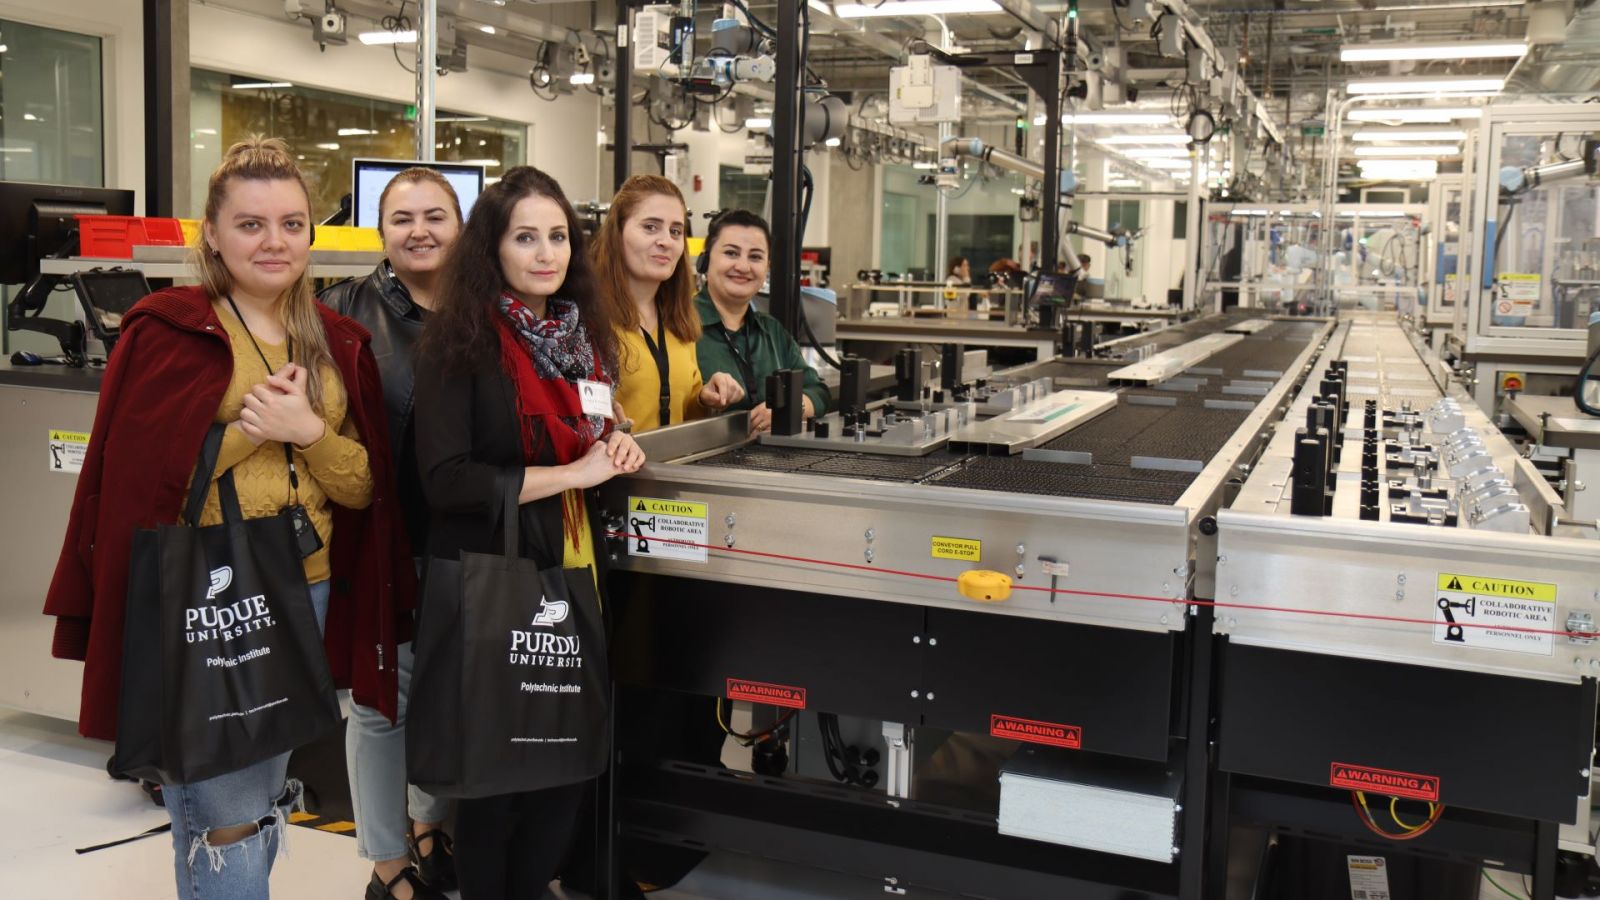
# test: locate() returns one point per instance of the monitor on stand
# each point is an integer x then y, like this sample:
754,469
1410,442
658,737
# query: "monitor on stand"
37,222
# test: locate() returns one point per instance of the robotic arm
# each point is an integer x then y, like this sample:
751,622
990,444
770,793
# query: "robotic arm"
1517,181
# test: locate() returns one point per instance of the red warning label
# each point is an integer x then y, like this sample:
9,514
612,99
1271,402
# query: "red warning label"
772,694
1384,781
1050,733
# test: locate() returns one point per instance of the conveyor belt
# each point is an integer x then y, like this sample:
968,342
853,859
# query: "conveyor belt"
1187,424
1099,482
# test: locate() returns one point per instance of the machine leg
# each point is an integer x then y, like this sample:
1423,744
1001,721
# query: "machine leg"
1193,861
1216,848
1546,836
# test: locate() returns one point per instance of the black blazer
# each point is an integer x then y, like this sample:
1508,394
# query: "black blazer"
468,448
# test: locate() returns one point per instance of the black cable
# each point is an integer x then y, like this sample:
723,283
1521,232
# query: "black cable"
1584,377
398,22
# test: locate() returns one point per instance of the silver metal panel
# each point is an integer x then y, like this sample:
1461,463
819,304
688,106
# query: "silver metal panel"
1554,421
1355,568
1249,326
1036,422
1112,548
37,502
1168,363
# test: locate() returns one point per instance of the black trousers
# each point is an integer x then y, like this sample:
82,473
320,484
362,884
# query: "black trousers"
508,846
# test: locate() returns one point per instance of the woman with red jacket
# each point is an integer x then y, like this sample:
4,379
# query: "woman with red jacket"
249,348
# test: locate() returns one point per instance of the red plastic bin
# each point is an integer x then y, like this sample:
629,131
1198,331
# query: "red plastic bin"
114,237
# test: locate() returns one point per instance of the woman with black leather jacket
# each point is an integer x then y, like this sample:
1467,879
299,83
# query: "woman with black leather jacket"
419,217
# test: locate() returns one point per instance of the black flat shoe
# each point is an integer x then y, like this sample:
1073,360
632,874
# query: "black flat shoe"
378,890
438,867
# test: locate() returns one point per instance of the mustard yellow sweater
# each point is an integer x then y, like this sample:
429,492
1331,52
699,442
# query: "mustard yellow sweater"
333,469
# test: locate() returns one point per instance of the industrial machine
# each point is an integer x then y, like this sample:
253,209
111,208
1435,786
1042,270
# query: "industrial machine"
1006,565
1397,586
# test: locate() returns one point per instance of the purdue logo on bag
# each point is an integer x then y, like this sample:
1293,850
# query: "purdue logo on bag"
542,648
221,577
550,614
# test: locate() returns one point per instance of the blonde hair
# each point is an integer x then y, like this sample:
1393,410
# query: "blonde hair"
258,158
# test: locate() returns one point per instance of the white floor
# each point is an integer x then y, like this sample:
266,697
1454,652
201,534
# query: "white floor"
55,796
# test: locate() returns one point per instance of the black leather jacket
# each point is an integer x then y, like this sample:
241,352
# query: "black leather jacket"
384,307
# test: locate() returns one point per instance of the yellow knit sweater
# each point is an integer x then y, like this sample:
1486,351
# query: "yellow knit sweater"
333,469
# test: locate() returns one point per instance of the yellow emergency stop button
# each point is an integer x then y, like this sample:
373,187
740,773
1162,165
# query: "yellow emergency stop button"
984,585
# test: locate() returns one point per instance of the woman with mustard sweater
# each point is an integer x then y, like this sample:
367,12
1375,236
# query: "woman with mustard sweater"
644,274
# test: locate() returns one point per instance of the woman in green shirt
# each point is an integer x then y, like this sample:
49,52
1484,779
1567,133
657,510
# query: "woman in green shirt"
737,338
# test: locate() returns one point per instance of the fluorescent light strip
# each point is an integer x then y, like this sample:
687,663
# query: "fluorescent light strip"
354,132
1156,152
256,85
757,124
1415,114
1411,150
1403,169
581,78
371,38
1452,134
1112,118
915,8
1466,50
1463,85
1120,140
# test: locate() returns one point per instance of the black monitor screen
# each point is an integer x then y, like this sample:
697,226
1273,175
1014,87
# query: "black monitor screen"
37,219
371,176
107,296
1056,288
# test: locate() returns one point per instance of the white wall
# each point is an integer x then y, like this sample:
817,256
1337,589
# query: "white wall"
562,134
120,27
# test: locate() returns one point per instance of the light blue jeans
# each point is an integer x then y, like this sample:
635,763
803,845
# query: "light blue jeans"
260,794
375,754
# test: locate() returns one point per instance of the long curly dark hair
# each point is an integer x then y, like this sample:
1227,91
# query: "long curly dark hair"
460,335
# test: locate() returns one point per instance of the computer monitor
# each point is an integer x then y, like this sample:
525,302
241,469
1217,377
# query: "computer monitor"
370,176
1056,288
36,221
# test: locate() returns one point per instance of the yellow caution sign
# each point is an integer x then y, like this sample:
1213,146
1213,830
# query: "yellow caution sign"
1489,586
71,437
666,507
957,548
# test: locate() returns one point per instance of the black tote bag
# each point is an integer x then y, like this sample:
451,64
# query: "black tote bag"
511,690
222,660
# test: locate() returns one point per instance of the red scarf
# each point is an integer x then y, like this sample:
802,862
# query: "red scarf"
547,409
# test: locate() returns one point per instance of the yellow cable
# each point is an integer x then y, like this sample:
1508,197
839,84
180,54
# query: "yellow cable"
1395,815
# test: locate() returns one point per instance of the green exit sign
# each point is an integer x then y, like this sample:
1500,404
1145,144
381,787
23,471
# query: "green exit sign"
1312,131
411,112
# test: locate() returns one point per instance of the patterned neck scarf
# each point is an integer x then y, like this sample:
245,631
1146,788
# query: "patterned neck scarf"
561,353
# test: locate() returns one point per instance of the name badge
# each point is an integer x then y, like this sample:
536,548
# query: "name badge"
596,398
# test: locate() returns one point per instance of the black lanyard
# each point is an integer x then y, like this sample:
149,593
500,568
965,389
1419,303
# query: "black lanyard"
658,349
746,370
288,455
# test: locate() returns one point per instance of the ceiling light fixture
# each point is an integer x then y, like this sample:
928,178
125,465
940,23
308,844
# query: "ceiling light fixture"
387,37
258,85
1466,84
832,142
1450,134
328,146
1419,115
758,123
916,8
1411,150
1400,169
1463,50
354,132
1156,152
1112,118
1121,140
582,78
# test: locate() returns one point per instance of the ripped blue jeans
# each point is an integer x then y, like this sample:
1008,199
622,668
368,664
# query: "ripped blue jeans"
260,795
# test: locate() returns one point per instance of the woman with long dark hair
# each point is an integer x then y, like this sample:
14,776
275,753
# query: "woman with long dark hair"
516,331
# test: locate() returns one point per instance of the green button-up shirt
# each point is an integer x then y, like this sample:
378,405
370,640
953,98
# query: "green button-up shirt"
759,348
